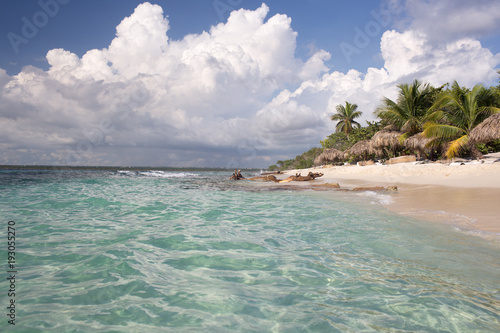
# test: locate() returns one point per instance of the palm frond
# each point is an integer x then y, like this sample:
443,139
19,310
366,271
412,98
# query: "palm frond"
345,117
340,126
336,116
457,146
340,109
356,114
403,137
436,116
487,111
432,130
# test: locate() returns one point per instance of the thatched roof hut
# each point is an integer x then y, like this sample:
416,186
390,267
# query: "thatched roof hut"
487,131
361,148
417,142
421,144
391,128
384,138
329,155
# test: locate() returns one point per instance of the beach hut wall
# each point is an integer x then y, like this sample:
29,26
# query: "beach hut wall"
487,131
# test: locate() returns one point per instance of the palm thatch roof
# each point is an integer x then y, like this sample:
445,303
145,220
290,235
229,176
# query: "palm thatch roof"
364,147
390,128
385,138
329,155
417,142
487,131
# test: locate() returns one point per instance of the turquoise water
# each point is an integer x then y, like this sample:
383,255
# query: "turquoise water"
109,251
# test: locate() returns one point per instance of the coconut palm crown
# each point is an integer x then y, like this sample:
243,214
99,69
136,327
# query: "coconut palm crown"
455,114
345,117
407,114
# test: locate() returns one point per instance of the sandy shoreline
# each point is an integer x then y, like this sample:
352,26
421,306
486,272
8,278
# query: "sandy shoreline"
463,194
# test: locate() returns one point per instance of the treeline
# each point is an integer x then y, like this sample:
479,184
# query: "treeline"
429,122
303,161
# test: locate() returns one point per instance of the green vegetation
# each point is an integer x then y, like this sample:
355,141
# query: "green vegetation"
304,161
345,118
340,140
427,121
457,112
409,112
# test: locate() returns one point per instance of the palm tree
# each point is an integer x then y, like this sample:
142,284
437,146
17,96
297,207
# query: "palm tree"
407,114
345,117
455,114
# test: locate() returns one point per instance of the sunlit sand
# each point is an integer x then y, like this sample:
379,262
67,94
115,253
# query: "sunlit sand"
464,193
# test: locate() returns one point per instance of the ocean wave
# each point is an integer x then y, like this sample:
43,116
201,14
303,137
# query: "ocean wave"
383,199
158,174
127,172
166,174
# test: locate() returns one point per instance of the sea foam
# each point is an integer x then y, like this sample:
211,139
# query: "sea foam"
161,174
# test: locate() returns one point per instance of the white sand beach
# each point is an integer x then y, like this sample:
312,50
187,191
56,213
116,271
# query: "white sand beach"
465,193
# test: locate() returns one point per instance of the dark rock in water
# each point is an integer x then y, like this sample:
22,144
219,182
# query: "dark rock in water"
237,175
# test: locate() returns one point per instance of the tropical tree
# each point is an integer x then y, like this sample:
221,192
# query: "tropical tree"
453,116
496,91
345,118
408,113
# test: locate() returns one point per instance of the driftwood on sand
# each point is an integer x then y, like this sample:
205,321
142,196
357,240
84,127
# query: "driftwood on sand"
299,178
317,187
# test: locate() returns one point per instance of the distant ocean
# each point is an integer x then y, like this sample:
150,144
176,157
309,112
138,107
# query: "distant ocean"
191,251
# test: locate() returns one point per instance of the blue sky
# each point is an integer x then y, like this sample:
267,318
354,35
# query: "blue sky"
83,25
221,83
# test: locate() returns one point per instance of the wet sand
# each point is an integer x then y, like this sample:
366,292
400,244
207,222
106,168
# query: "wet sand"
466,208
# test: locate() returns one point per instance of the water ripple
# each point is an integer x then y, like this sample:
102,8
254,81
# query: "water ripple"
129,253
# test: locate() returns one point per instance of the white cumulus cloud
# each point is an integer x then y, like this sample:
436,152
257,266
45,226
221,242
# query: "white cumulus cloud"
234,95
443,20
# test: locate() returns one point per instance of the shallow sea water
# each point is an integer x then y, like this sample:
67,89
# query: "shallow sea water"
157,251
